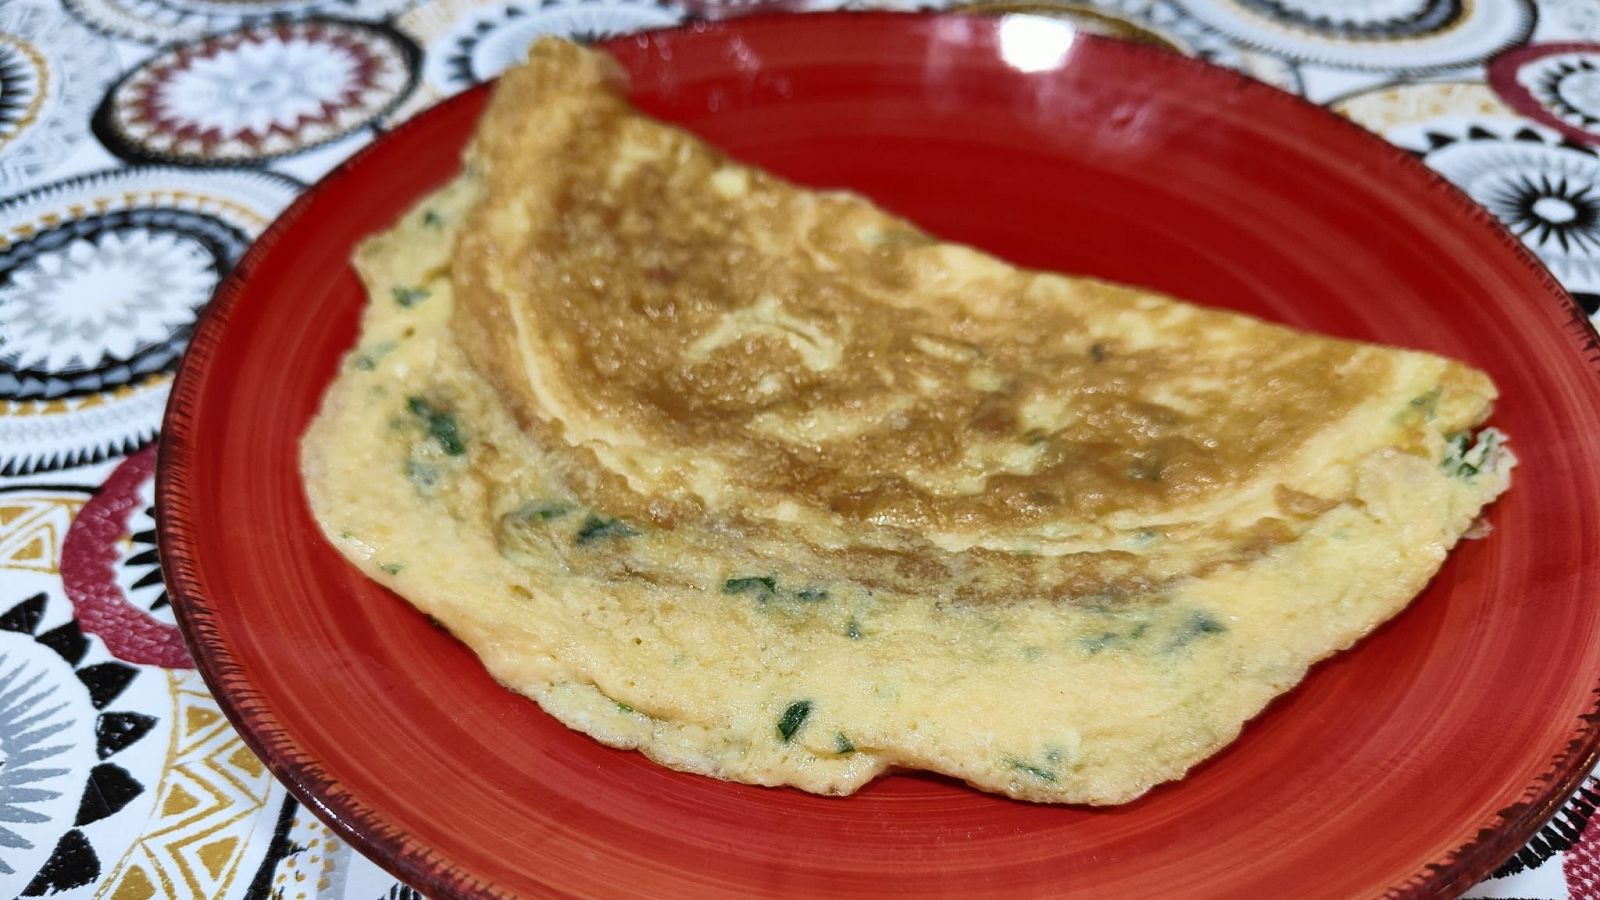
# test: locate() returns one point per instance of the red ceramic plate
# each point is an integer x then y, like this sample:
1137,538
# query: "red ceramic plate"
1411,765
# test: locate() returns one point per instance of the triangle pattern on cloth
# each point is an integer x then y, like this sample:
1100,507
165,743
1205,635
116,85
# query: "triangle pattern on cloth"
31,531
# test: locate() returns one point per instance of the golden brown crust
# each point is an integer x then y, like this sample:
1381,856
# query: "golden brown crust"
708,345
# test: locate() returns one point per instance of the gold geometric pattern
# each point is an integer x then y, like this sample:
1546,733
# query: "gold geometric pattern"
315,870
61,406
210,801
1381,110
31,529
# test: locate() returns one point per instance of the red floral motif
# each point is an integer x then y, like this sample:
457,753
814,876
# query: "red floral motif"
359,71
147,89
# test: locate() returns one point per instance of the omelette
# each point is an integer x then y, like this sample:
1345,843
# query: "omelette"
772,486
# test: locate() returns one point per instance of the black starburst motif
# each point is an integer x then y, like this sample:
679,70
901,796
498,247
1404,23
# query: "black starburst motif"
1549,209
24,708
15,94
1352,23
584,21
1548,90
146,590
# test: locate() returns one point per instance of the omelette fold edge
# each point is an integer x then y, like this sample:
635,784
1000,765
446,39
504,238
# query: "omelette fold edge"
773,486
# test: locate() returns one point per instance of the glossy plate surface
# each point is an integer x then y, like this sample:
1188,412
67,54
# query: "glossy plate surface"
1411,765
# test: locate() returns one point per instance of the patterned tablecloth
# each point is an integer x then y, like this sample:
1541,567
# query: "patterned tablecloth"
144,143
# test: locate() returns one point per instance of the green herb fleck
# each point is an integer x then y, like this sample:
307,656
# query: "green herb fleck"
1198,625
440,424
1465,459
623,707
811,595
1108,639
432,219
762,587
1427,404
1100,641
1421,408
793,717
842,744
539,509
423,476
410,296
597,528
1030,769
852,629
367,360
392,568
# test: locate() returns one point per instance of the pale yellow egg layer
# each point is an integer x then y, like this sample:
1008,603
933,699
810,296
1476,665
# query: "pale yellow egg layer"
689,638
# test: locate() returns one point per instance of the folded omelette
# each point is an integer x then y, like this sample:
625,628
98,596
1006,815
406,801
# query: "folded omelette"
772,486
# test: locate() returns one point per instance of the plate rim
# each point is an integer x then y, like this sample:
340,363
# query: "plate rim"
415,862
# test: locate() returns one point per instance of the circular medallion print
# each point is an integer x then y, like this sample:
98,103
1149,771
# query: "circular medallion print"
1556,84
468,44
1386,35
75,749
168,21
1534,180
101,301
52,72
101,279
46,751
258,93
22,81
1545,189
1160,23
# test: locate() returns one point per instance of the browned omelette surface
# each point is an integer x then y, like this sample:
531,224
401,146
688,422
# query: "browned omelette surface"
770,485
709,343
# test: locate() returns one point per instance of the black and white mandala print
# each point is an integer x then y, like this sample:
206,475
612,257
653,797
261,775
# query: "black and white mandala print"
1170,24
1566,20
101,280
258,93
1543,187
71,753
1159,23
52,72
1399,36
172,21
1554,84
471,42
